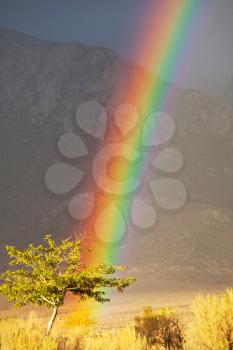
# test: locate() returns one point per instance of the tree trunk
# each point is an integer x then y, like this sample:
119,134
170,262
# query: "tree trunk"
51,320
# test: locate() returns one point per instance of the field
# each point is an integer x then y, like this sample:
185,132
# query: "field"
112,326
123,308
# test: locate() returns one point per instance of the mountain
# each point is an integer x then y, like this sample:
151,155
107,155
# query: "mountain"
41,86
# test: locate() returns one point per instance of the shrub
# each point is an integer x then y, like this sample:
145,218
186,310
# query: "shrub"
160,327
82,317
212,325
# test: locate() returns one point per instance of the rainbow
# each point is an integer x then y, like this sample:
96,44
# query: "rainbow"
170,25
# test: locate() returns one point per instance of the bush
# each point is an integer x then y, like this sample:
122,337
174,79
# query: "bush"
212,325
160,327
83,316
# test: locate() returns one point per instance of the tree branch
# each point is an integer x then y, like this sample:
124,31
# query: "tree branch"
48,301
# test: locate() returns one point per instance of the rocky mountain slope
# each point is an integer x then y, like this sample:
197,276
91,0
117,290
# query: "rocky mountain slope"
41,86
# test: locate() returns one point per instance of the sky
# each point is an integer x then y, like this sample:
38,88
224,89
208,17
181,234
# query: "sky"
116,24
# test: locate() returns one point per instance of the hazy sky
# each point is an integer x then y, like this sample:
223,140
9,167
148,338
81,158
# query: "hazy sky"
114,24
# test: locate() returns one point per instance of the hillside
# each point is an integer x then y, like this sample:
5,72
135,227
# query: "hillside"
41,86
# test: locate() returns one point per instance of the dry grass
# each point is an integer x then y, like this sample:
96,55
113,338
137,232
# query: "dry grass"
210,327
212,324
29,334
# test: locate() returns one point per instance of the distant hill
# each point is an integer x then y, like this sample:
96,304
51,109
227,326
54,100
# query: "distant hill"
42,84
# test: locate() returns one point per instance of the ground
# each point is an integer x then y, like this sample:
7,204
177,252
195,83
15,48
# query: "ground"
122,308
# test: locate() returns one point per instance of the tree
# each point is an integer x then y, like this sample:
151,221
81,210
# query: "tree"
48,271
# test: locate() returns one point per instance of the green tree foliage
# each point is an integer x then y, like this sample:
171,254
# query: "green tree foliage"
48,271
160,327
212,325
